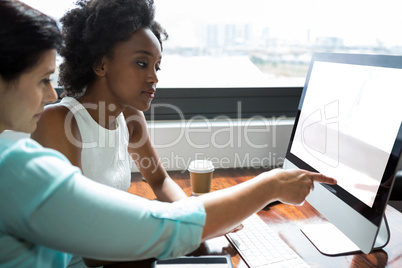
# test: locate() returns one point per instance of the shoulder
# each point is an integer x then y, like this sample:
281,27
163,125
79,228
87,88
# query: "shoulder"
54,115
132,115
27,161
55,111
61,111
56,119
135,120
12,154
8,147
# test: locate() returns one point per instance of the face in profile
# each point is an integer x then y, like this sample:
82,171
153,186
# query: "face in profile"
22,100
132,70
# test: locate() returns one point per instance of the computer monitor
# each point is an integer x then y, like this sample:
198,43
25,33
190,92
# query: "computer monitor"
348,126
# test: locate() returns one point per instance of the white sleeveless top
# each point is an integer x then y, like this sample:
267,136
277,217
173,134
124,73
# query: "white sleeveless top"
104,156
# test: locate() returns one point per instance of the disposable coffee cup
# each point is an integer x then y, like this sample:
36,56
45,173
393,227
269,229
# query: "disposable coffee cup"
200,176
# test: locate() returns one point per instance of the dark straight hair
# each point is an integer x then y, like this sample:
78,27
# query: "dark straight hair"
25,33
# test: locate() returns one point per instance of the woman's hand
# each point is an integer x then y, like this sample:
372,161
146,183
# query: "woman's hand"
293,186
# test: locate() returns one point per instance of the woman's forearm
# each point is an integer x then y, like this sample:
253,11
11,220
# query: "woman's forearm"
169,191
225,209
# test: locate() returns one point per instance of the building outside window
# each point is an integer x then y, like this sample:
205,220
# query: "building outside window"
261,43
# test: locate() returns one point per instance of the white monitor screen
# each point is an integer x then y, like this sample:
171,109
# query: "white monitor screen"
348,124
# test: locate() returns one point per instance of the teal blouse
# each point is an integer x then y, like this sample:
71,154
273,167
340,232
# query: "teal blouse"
49,210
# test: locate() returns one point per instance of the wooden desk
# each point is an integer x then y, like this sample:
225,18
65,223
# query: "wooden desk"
286,221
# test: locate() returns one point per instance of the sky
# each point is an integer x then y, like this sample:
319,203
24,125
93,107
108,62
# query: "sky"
356,21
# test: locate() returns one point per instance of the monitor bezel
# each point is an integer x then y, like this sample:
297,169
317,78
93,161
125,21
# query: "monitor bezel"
375,213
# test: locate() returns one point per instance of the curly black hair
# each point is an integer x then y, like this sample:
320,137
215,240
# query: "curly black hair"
91,30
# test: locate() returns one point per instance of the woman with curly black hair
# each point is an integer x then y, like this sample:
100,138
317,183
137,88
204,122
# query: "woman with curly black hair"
111,57
92,30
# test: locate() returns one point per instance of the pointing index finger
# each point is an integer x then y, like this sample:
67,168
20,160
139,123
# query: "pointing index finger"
318,177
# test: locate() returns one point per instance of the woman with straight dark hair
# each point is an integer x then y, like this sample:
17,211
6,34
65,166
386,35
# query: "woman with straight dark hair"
49,210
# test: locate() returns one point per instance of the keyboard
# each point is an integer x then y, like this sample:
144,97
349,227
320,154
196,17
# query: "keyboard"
260,246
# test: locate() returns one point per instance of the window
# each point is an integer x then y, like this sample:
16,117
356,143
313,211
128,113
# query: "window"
256,52
268,43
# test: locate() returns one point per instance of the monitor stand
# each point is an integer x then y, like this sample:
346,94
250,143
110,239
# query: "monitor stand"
330,241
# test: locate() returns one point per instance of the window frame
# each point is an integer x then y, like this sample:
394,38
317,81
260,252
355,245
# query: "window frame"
233,103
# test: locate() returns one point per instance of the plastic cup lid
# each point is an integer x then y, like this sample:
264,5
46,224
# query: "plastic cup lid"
201,166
